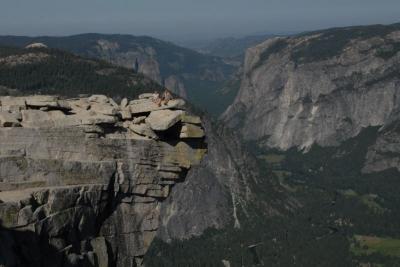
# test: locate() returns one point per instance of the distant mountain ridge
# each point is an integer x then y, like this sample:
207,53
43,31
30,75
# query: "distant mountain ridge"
318,87
184,71
232,47
52,71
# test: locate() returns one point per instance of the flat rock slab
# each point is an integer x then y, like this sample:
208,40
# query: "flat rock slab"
145,95
191,119
147,105
161,120
99,99
191,131
95,118
143,129
42,101
105,109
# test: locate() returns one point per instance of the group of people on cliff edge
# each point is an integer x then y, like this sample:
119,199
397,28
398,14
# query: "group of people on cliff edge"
163,99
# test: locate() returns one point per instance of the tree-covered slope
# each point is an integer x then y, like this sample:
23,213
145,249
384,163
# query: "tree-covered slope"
191,74
51,71
217,194
321,113
346,214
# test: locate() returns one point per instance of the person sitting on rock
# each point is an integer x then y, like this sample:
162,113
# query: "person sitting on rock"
167,96
156,98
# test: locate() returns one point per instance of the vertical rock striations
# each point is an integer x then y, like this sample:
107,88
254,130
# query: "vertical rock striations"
82,180
318,88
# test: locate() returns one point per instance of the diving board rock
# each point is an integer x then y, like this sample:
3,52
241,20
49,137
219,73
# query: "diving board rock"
161,120
191,131
191,119
42,101
147,105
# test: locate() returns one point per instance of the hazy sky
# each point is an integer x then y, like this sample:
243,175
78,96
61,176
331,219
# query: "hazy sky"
188,19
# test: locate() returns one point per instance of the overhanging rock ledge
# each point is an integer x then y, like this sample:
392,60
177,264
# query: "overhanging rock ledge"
82,180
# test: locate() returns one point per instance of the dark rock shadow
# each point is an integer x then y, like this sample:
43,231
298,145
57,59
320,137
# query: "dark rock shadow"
24,248
20,248
171,136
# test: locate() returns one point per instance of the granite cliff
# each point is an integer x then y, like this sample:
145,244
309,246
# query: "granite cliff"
215,194
82,180
318,88
222,192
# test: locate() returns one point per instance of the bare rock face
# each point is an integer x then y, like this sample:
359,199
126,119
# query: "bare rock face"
161,120
384,154
319,88
218,193
175,84
79,186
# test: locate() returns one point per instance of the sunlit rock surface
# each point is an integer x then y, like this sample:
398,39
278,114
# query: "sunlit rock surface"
82,180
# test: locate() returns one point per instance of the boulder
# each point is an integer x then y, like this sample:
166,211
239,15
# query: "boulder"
25,216
191,131
63,104
36,45
146,95
42,101
102,99
104,108
9,119
139,120
143,129
147,105
9,214
95,118
124,103
125,114
161,120
79,105
191,119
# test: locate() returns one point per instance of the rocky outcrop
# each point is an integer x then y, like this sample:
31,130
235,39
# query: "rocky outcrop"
36,45
221,192
318,88
385,152
212,192
82,180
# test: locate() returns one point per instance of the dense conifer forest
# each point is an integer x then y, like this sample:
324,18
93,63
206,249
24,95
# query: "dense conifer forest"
50,71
